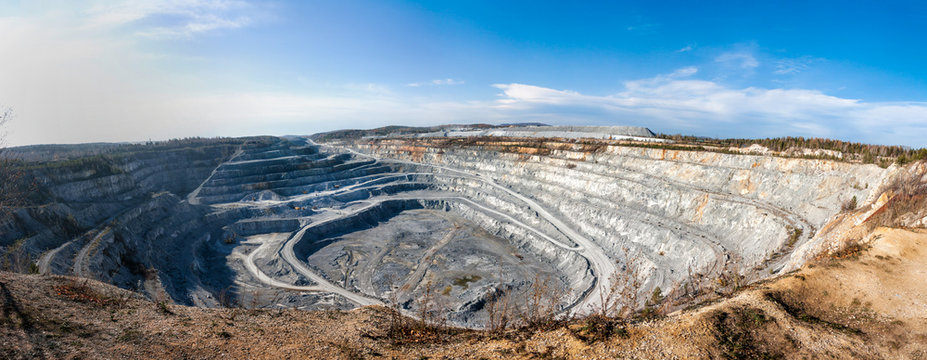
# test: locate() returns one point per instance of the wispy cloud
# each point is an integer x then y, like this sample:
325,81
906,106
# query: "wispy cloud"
742,59
171,18
368,88
436,82
686,48
793,66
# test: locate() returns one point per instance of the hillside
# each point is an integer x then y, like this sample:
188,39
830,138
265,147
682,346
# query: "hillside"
866,305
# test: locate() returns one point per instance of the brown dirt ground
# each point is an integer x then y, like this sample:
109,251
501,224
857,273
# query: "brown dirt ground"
871,303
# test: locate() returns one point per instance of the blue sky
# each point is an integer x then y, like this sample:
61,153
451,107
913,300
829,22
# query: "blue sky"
132,70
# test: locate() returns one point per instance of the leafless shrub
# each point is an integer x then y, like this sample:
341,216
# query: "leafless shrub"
120,299
500,312
426,307
851,248
255,301
696,288
621,297
541,309
673,300
617,303
16,259
226,297
729,280
431,325
15,186
396,322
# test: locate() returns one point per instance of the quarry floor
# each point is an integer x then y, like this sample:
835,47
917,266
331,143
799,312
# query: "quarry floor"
870,303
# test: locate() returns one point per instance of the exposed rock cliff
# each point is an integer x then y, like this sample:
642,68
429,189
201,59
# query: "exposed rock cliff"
293,223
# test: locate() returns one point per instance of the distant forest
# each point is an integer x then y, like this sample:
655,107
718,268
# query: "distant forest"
882,155
64,152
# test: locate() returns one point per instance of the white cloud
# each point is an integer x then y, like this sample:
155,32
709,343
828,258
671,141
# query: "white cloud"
686,48
447,82
178,18
742,59
521,93
647,83
793,66
705,107
437,82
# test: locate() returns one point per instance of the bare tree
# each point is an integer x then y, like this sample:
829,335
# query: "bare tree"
618,302
499,311
730,279
621,297
696,286
5,116
542,300
13,190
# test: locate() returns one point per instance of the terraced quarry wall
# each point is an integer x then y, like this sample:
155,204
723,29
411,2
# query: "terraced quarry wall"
683,211
288,222
74,196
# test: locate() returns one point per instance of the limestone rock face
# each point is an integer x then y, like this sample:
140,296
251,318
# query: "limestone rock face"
683,211
288,222
79,195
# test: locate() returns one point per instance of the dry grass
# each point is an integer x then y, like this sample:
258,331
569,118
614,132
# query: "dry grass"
908,195
851,307
77,290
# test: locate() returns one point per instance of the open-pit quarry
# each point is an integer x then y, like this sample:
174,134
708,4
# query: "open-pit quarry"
315,222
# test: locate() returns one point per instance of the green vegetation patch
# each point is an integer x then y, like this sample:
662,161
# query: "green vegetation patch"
740,334
465,281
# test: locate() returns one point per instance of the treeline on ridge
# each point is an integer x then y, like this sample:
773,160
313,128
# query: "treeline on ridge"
866,153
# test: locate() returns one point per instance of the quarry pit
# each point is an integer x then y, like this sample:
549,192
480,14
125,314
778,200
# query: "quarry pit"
314,222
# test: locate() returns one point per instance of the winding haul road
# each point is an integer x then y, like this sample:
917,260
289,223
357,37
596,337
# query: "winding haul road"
290,257
287,254
600,264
